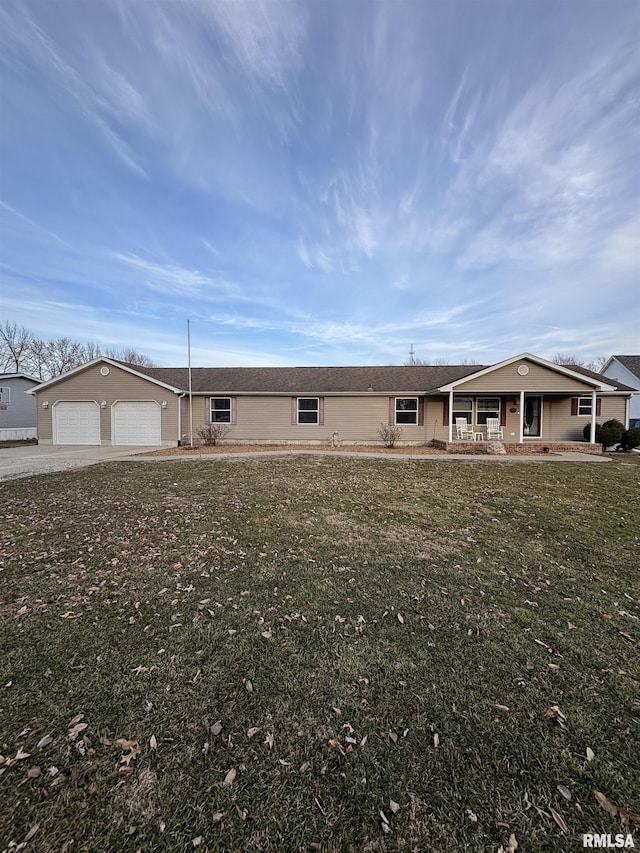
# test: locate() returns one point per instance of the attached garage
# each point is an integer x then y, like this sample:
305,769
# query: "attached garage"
137,422
76,423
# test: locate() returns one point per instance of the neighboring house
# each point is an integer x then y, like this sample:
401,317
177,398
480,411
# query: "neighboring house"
536,402
626,368
17,408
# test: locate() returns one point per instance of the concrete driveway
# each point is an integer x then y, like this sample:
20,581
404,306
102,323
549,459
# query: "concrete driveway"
38,459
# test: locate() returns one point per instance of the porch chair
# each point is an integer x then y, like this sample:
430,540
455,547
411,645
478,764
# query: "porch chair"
494,430
464,430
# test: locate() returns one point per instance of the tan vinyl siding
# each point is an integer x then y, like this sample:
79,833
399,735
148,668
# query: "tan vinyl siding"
507,379
568,427
433,419
119,385
268,419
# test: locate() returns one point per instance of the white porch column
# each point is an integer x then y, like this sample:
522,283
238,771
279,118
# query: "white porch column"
521,427
593,417
450,416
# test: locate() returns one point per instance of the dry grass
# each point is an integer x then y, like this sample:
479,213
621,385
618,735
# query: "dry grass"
319,653
421,450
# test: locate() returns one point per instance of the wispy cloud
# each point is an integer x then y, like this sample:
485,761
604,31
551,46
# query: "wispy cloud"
326,182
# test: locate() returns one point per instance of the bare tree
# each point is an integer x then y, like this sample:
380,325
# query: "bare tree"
569,360
131,356
15,342
20,351
91,351
566,359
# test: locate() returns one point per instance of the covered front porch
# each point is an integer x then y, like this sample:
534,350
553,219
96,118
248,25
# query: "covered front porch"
522,418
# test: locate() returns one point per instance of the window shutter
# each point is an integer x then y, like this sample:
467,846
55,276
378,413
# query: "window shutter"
445,412
420,411
233,410
392,411
321,411
574,405
503,411
294,411
598,406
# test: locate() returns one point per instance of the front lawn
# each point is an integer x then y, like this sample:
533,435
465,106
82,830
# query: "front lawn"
320,653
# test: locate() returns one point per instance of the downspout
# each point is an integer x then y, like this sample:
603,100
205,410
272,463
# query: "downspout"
521,427
627,412
593,417
180,399
450,416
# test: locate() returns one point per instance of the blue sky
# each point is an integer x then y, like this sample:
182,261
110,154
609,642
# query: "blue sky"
322,182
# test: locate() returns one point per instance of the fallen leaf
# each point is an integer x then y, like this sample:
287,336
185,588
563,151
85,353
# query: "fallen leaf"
76,719
253,731
33,772
473,817
79,777
130,749
564,791
197,841
625,815
395,808
436,740
248,685
267,635
32,832
216,728
218,816
306,765
513,843
554,713
269,740
75,731
44,741
385,819
153,743
231,775
590,754
336,746
559,820
401,618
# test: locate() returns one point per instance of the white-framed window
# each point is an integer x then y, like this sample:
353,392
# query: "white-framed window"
406,410
463,408
308,410
487,407
585,406
221,410
5,394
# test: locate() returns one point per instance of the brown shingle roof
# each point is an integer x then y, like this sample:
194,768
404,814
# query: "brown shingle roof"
309,380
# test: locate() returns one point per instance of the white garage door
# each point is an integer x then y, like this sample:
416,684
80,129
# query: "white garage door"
136,423
77,423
